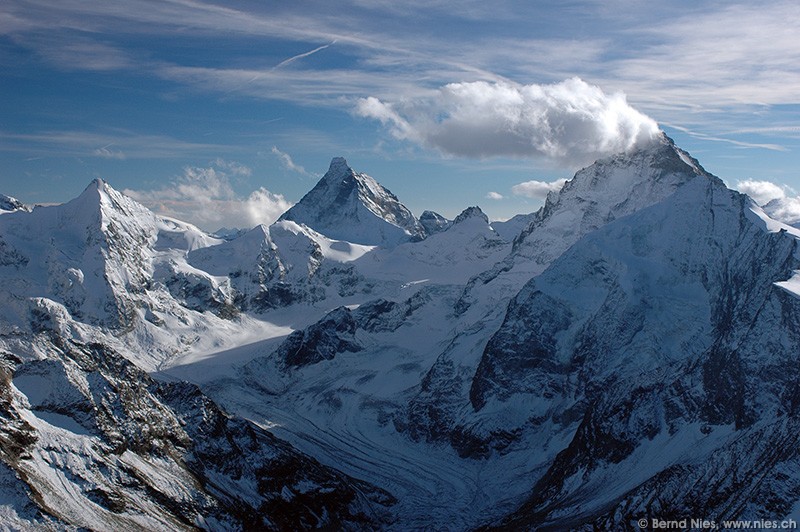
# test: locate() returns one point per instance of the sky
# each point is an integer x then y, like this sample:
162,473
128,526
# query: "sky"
224,114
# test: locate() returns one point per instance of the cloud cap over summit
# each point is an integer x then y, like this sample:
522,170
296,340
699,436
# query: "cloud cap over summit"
571,122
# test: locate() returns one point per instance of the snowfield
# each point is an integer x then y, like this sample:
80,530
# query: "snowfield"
630,350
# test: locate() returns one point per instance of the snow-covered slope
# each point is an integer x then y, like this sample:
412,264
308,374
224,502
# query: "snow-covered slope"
633,353
510,229
668,345
104,268
285,263
89,255
609,189
468,245
88,440
9,204
608,369
353,207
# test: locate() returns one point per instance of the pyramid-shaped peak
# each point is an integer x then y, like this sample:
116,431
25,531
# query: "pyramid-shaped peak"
352,206
93,189
340,174
611,188
661,155
433,222
98,191
471,212
100,203
339,167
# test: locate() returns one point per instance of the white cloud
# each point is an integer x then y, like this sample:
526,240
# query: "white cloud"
264,207
494,196
779,202
747,56
288,162
537,189
233,167
205,197
571,122
761,191
786,210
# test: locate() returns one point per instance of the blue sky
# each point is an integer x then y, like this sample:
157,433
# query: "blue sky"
195,108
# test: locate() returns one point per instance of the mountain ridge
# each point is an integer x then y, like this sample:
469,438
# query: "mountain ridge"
631,353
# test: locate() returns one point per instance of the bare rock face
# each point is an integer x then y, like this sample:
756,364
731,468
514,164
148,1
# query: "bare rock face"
167,454
631,353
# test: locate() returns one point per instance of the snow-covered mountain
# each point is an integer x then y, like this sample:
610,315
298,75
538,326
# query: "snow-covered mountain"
628,351
353,207
7,203
668,342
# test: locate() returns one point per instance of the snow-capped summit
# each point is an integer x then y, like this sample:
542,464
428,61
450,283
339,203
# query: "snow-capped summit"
638,337
433,222
471,212
652,338
9,204
350,206
609,189
88,254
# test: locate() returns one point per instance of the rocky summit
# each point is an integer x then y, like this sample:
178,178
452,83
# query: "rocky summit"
627,352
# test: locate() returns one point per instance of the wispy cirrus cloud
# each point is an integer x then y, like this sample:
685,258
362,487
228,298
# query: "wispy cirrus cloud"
332,87
115,144
717,57
108,152
739,143
288,163
72,52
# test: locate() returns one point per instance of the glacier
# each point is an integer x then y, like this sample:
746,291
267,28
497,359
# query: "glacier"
628,351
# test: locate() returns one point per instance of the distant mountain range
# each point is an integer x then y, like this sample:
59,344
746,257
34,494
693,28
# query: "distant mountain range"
629,351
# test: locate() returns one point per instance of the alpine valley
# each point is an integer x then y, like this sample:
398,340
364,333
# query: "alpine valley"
629,351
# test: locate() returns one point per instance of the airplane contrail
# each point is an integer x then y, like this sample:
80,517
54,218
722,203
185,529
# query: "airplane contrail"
300,56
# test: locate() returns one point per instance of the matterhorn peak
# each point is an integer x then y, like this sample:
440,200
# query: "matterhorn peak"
338,167
352,206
